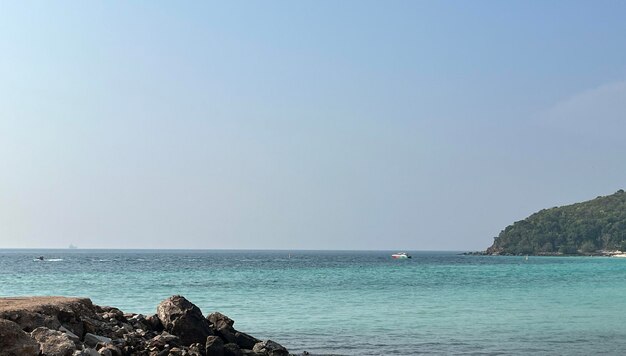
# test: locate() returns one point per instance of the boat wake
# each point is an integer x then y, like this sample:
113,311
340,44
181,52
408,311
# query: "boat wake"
48,259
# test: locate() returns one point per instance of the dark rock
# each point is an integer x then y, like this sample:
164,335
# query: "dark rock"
227,333
247,352
29,321
155,323
15,342
111,314
107,331
97,327
183,319
232,349
270,348
214,346
139,321
245,341
52,342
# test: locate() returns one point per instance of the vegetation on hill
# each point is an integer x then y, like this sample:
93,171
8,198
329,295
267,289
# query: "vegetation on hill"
582,228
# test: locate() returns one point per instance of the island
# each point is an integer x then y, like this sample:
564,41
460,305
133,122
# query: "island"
594,227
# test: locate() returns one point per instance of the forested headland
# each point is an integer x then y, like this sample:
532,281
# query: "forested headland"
591,227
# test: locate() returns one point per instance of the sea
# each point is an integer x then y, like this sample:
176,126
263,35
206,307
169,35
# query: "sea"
357,302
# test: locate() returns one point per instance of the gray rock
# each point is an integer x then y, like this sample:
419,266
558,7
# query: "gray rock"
69,334
110,350
270,348
86,352
92,340
53,342
15,342
183,319
217,317
214,346
163,339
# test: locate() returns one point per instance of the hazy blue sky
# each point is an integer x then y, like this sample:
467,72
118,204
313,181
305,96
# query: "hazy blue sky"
303,124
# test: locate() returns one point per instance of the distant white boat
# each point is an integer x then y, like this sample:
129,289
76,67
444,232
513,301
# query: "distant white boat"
400,255
72,247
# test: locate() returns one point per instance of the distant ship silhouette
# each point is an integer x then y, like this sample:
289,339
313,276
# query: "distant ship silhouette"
72,246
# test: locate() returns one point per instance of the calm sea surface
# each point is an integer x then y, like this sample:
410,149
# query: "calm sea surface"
357,303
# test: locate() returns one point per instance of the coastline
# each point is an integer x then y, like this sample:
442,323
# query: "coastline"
75,326
617,254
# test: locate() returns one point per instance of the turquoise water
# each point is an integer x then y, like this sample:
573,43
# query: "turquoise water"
357,303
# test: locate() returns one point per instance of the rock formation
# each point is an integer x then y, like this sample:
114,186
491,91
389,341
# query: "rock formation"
182,318
58,326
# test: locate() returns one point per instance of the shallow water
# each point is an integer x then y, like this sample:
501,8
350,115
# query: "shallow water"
357,303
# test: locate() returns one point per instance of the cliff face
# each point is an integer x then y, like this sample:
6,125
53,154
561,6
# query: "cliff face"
582,228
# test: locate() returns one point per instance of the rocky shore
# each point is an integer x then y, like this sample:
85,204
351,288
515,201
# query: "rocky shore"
59,326
495,252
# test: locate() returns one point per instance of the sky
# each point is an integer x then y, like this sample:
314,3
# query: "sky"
413,125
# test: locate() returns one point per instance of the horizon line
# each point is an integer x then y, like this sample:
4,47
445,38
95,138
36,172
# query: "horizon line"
218,249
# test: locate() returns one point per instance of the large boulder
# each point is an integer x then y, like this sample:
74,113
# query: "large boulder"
15,342
222,326
270,348
53,343
183,319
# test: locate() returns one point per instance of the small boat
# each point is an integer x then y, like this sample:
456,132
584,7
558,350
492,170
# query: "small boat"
400,255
